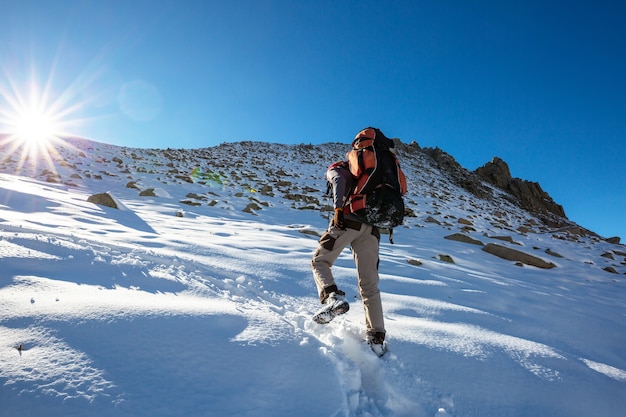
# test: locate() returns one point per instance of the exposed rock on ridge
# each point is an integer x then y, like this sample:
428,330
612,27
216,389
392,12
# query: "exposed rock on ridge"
525,194
530,194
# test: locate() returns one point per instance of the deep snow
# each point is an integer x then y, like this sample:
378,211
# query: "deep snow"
162,308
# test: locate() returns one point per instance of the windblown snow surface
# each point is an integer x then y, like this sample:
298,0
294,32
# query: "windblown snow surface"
195,299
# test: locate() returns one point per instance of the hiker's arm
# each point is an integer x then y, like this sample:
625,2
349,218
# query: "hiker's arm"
340,181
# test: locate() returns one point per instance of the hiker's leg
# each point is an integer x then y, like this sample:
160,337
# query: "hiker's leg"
331,244
365,252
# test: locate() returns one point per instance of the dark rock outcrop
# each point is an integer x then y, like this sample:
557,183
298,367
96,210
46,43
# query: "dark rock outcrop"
529,194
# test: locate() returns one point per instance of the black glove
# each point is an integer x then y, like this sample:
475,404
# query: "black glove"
338,219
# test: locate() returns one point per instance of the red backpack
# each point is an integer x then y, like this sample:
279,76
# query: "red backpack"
380,182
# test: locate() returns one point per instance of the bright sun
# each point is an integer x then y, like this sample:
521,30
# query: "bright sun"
37,118
35,127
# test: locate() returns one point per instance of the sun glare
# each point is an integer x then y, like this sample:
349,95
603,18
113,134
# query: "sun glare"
33,134
33,126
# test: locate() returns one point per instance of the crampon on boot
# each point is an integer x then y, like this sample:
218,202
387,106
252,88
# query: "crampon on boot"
334,305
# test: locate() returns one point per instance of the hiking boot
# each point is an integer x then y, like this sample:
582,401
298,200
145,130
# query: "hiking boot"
377,343
334,305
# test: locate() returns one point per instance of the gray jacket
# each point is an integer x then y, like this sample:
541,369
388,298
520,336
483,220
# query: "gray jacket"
341,182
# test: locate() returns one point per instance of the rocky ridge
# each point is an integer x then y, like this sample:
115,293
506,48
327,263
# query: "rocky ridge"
490,208
529,194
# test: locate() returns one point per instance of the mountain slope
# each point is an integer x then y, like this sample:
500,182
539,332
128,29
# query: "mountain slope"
195,296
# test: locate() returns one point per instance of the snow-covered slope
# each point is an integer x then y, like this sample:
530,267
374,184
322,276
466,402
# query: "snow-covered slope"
194,297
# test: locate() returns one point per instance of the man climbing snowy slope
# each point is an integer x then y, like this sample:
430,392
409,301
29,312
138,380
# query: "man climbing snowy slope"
351,227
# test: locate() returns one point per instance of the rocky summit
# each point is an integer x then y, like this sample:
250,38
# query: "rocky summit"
530,195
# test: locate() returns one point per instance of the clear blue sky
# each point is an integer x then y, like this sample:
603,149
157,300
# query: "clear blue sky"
541,84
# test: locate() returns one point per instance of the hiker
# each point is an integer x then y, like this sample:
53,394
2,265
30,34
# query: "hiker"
347,228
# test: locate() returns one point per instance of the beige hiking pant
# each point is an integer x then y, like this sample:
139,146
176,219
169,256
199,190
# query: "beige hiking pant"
364,245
